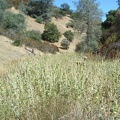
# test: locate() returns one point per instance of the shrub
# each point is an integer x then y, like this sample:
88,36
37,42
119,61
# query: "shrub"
13,21
65,44
39,8
111,17
56,14
31,42
36,35
17,43
45,47
51,33
1,16
59,13
83,47
70,24
4,4
62,12
66,8
39,19
69,35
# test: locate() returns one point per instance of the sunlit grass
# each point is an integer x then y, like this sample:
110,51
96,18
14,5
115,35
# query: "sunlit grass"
58,88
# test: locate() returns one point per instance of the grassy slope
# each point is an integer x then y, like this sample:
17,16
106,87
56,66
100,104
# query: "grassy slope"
9,53
57,88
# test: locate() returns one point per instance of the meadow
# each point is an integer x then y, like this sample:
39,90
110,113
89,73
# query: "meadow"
61,87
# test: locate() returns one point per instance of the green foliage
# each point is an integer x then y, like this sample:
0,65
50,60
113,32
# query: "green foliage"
89,19
112,39
69,35
13,21
22,6
66,8
62,12
83,47
39,19
1,15
51,33
4,4
110,35
17,43
57,14
70,24
36,35
75,15
46,17
40,8
65,44
110,19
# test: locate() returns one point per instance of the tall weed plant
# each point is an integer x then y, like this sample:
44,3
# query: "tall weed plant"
61,87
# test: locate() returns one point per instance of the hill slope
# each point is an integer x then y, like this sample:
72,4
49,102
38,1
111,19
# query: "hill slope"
9,52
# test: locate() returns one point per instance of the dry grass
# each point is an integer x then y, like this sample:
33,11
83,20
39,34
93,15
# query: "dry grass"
56,88
8,52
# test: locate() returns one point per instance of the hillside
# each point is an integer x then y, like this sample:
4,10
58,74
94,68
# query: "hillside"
8,52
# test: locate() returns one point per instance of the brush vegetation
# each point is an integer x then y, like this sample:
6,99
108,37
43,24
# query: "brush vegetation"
61,87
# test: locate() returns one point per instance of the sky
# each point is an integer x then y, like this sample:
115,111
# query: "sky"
105,5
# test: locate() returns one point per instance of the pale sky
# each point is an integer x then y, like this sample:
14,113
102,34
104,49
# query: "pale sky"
105,5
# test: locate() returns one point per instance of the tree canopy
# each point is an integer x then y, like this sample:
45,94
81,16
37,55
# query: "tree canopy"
119,2
110,19
89,16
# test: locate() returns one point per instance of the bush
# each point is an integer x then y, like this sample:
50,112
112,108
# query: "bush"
36,35
4,4
65,44
69,35
66,8
46,17
39,19
39,8
51,33
59,13
45,47
56,14
13,21
70,24
83,47
1,16
17,43
63,13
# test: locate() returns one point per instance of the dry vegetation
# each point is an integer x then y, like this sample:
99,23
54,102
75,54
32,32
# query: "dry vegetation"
57,88
9,52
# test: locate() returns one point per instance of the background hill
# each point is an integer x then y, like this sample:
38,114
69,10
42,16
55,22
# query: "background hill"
9,52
